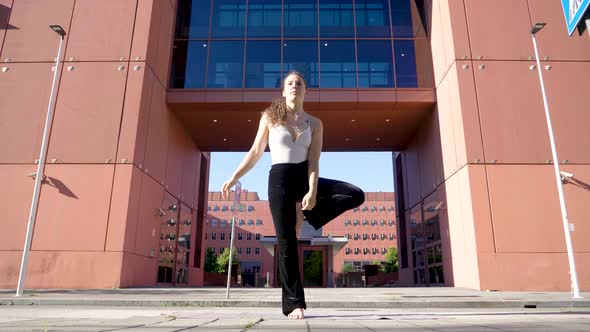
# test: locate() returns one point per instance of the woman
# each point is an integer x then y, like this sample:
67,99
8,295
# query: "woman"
295,141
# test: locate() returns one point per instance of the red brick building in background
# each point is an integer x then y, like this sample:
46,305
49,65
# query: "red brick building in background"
370,230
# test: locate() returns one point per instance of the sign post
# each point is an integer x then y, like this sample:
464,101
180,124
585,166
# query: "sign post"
231,238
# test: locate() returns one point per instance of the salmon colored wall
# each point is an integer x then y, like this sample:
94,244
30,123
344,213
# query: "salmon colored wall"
504,223
116,152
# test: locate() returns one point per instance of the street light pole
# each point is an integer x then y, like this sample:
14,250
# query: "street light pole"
568,240
39,176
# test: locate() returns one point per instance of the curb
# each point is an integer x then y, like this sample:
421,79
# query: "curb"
505,304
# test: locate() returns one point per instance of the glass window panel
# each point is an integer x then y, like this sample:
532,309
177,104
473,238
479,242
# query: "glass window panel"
337,64
300,19
226,61
263,64
401,19
405,64
189,64
228,19
372,18
264,18
336,19
193,19
375,64
302,55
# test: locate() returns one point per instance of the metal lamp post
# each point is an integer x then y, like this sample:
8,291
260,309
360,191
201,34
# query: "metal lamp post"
566,228
39,177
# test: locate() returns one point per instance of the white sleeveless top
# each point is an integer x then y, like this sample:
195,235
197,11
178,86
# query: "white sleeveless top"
285,149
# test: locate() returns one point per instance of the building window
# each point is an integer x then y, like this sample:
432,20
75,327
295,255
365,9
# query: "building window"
212,249
390,208
391,222
355,209
224,208
374,251
250,222
365,222
209,208
214,222
365,236
356,222
241,222
251,207
391,236
221,249
356,251
256,251
300,19
365,251
248,251
216,208
225,64
364,208
373,209
239,236
373,236
229,19
372,19
356,236
257,236
239,251
405,62
373,222
346,222
249,236
223,222
302,55
338,67
382,222
213,236
381,208
222,236
383,236
384,251
258,222
347,252
264,18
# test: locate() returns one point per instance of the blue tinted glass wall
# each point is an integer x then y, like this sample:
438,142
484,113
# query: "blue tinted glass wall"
266,38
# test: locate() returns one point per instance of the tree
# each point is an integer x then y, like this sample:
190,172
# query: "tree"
223,260
347,267
211,261
381,265
391,260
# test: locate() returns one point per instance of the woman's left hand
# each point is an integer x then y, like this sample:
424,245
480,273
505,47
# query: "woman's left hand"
308,201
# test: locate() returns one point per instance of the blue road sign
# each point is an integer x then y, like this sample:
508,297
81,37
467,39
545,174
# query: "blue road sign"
574,11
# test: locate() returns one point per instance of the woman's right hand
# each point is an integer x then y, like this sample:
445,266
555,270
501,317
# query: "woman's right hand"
226,187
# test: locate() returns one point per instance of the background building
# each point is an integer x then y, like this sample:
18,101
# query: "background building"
148,88
367,233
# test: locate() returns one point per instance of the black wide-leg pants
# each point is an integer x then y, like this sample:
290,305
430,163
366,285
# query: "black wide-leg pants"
287,184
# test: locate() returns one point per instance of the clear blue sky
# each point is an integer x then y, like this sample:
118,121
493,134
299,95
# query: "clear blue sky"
371,171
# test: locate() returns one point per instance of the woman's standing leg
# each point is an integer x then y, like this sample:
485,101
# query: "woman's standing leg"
282,208
332,199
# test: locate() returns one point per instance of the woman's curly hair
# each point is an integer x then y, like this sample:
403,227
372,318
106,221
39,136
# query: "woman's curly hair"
277,111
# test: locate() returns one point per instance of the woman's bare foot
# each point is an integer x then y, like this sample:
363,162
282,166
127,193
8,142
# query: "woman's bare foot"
299,222
296,314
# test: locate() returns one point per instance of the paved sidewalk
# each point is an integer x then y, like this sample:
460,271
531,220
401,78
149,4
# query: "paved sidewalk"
443,297
151,319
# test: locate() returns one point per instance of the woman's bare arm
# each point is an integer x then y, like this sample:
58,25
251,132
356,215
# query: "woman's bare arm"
251,158
313,168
